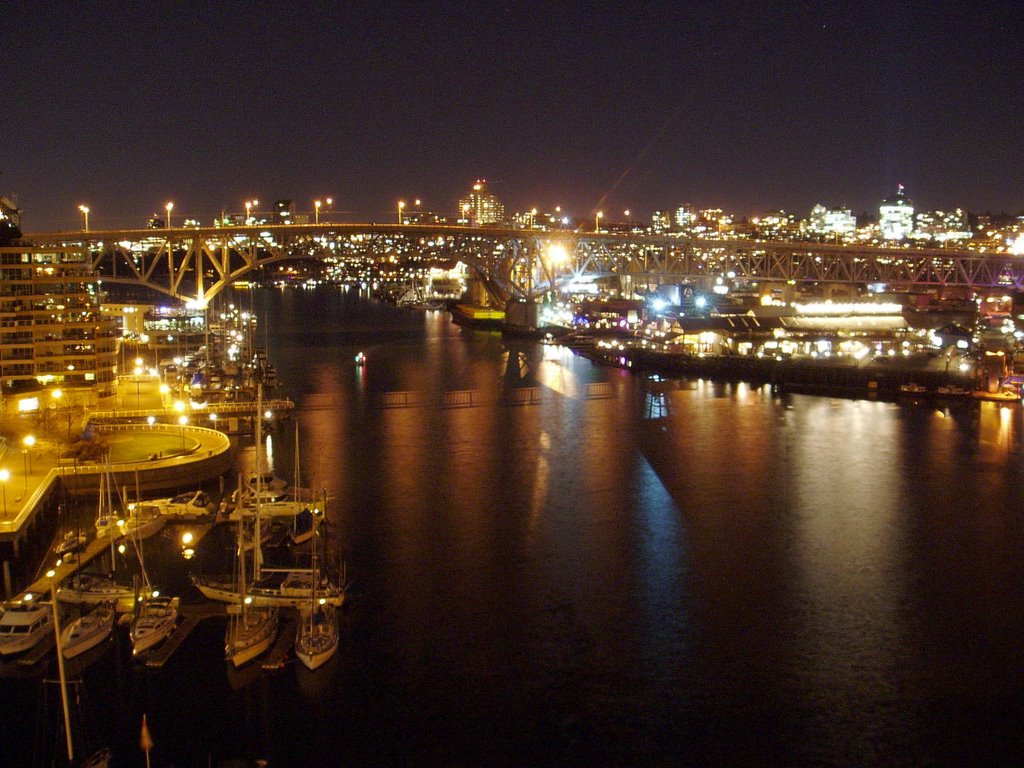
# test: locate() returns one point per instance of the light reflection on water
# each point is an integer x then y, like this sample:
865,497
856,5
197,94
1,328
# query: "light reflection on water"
680,573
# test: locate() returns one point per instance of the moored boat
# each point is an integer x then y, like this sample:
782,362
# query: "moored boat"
250,633
93,589
23,625
281,587
316,636
193,505
87,631
155,620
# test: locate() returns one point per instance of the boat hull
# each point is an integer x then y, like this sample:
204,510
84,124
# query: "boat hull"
246,641
87,631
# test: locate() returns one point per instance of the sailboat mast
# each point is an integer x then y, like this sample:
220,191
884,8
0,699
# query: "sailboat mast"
257,544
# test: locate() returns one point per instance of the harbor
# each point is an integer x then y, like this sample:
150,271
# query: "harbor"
479,602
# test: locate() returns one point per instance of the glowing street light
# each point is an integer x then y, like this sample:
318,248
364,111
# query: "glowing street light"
182,421
29,442
597,220
85,214
401,207
169,207
316,210
249,205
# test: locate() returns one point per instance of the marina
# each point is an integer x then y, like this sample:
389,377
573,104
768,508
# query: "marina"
436,611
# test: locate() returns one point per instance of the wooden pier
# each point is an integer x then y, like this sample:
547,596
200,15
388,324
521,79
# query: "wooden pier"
275,657
189,618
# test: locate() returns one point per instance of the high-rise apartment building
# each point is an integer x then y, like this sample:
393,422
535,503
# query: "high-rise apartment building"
832,222
480,207
896,216
52,335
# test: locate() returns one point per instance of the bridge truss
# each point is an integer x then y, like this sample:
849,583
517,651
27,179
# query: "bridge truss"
199,263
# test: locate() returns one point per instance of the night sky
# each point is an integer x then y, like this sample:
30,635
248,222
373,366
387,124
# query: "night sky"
125,106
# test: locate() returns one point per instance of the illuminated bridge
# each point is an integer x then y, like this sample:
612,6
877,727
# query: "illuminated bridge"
511,264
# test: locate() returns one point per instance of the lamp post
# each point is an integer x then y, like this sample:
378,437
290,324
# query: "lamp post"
138,381
56,395
597,220
182,421
316,211
169,207
249,205
29,442
401,207
5,475
85,214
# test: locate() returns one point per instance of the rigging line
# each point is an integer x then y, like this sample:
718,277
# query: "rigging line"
640,156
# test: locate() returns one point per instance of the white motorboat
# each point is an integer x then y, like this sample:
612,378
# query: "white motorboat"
71,542
142,522
87,631
23,625
187,506
155,620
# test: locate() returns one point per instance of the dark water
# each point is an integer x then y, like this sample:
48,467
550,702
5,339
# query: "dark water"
569,565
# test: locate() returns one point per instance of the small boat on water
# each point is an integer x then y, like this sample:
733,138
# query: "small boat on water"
23,625
93,589
316,636
360,358
281,587
192,505
87,631
142,522
71,542
156,619
913,389
952,390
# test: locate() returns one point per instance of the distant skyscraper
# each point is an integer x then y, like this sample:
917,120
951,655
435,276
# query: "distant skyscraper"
480,207
832,221
896,216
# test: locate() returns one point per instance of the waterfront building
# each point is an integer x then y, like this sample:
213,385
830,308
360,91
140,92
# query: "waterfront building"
896,216
480,207
52,333
832,222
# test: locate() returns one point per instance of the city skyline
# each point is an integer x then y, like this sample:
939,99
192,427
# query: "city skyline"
585,107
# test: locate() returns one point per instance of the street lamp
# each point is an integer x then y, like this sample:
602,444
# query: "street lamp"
138,380
182,421
169,207
249,205
85,214
316,211
597,220
5,475
401,207
29,442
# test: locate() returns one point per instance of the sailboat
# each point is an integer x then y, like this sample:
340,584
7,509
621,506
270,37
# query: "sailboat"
252,629
155,615
305,523
270,587
88,630
316,636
